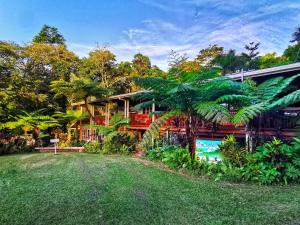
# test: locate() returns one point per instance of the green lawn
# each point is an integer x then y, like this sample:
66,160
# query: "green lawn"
84,189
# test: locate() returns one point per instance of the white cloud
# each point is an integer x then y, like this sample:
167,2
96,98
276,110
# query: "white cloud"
198,23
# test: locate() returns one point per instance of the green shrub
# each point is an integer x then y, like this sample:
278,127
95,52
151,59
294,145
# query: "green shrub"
119,142
93,147
274,162
158,152
232,151
177,158
18,145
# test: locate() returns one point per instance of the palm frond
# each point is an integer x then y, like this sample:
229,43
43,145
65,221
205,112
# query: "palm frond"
287,100
154,129
143,105
246,114
101,129
273,87
214,112
182,88
154,83
234,98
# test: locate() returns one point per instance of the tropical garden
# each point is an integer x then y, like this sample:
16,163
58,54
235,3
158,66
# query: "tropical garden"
40,80
167,183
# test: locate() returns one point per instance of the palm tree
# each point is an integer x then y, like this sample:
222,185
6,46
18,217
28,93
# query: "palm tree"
71,117
79,89
176,95
251,102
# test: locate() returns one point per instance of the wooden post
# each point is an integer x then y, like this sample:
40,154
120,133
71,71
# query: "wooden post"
127,109
107,112
153,110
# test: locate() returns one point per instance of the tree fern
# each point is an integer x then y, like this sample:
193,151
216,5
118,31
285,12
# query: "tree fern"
214,112
234,98
154,129
269,92
287,100
246,114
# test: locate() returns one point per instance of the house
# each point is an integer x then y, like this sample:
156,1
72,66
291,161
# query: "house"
281,123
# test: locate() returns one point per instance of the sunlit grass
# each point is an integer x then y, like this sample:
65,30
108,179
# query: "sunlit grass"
91,189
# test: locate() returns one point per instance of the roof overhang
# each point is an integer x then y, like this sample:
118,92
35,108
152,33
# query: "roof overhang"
113,97
125,96
265,72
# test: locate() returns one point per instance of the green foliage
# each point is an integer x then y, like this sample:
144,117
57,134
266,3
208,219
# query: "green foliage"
119,142
292,52
158,152
274,162
248,100
174,156
270,60
13,146
30,121
154,130
178,158
49,35
115,123
232,151
79,89
93,147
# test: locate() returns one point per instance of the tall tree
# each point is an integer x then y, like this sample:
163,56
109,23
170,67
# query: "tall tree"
229,62
177,95
250,57
49,35
207,55
296,35
252,49
100,66
141,64
271,60
79,89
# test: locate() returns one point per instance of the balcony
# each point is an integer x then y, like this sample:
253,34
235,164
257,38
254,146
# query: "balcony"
140,120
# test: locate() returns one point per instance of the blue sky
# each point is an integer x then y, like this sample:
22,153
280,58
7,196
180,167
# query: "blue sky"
154,27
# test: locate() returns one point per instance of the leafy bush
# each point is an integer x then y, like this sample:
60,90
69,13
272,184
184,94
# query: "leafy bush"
15,145
119,142
178,158
232,151
93,147
157,153
274,162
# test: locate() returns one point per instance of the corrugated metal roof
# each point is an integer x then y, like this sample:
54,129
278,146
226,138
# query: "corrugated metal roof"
266,72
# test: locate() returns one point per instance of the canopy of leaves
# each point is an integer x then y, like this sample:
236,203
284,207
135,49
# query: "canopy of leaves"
49,35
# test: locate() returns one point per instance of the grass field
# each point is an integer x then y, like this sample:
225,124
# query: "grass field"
84,189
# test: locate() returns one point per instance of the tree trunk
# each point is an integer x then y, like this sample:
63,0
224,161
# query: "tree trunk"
189,137
88,110
249,138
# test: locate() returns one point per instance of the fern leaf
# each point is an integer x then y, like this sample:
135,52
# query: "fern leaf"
287,100
154,129
214,112
246,114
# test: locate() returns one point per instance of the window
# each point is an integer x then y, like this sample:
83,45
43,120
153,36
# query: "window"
83,133
88,134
